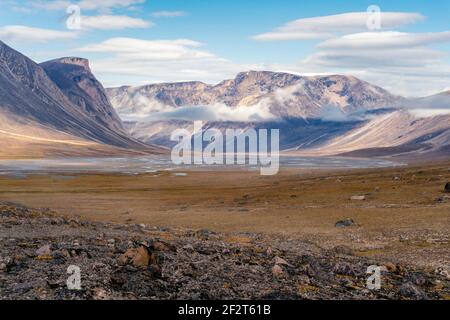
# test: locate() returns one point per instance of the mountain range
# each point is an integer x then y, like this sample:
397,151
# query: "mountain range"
319,115
59,108
284,94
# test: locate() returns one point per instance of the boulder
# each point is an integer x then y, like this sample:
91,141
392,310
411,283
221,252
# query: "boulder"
277,271
390,267
358,198
342,249
344,223
137,257
161,246
447,188
44,250
280,261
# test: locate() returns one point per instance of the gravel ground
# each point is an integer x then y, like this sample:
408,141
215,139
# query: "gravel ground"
141,262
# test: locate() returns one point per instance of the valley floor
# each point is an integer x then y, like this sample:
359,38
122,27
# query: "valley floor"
405,216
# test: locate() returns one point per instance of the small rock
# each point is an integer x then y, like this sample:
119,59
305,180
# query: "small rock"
344,269
312,267
203,234
161,246
418,279
44,251
441,271
138,257
447,188
277,271
100,294
118,279
53,284
98,266
280,261
344,223
60,256
44,257
439,199
411,291
341,249
269,251
396,178
155,271
390,267
188,247
358,198
3,267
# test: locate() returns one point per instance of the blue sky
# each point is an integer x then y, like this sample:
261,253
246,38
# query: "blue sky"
137,41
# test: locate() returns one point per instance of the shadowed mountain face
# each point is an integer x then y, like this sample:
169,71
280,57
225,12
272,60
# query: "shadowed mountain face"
74,78
30,96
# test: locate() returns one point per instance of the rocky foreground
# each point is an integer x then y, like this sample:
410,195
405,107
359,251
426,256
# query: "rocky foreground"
140,262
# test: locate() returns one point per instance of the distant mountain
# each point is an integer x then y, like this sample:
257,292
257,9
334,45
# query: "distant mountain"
420,129
30,98
320,115
286,95
310,110
393,133
440,101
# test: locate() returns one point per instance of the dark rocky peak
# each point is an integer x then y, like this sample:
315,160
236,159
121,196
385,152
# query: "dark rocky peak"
75,61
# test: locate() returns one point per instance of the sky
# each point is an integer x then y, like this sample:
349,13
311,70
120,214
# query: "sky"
402,46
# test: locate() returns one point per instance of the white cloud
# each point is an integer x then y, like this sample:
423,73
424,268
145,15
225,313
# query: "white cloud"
413,80
385,40
400,62
51,5
403,63
425,113
168,14
107,4
150,50
145,61
113,22
21,9
213,112
326,26
16,33
369,58
103,5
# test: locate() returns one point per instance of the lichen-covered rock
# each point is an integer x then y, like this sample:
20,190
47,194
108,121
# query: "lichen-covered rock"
138,257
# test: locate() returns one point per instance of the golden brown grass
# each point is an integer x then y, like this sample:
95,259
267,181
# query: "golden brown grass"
295,203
